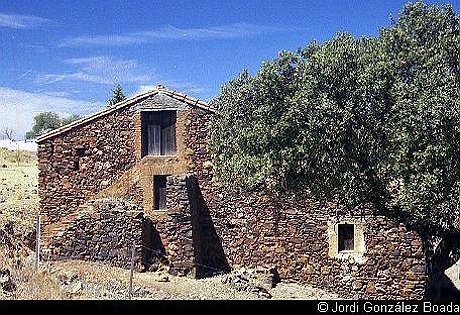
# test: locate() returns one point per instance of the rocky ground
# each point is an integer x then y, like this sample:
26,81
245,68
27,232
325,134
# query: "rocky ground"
87,280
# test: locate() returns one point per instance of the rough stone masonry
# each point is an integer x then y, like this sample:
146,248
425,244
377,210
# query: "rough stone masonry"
205,228
105,230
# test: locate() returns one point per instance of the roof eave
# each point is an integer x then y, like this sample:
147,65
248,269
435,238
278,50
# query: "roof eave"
136,98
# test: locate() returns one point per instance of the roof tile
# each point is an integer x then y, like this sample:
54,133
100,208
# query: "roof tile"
159,88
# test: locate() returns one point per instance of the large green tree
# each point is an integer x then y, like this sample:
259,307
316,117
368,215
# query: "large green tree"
422,56
368,120
47,121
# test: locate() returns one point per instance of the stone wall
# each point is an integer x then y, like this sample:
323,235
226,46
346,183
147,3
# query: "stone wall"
187,232
175,227
293,237
76,165
103,230
207,228
209,255
291,233
103,158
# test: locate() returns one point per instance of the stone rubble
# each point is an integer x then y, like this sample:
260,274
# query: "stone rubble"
6,281
258,280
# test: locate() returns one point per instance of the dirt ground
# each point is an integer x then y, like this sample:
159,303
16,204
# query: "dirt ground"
98,281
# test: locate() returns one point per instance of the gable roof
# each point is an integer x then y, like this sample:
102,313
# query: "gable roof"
159,89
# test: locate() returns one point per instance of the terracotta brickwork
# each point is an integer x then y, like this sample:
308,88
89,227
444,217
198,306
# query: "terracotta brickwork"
206,228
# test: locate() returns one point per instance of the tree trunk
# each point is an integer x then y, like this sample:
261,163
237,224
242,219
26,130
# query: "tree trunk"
441,252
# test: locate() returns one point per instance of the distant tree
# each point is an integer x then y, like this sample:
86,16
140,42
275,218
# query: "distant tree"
117,96
68,120
47,121
11,135
44,122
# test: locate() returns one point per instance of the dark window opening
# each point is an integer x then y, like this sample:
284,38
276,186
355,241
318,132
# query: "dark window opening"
231,226
159,192
76,164
159,133
346,237
153,251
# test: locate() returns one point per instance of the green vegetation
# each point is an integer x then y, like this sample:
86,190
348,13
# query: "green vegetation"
368,120
47,121
117,95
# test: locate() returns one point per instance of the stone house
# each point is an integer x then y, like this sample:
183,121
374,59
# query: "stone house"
137,176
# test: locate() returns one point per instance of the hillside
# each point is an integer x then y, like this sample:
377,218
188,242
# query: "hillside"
18,190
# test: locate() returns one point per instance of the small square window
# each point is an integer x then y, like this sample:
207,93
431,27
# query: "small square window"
159,192
346,236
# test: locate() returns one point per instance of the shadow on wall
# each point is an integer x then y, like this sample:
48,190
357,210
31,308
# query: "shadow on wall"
209,254
444,289
152,247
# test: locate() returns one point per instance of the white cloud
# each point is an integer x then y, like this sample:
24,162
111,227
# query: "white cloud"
99,69
21,21
145,88
103,62
56,93
238,30
17,108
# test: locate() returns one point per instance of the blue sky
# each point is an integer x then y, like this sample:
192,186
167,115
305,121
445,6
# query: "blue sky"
66,56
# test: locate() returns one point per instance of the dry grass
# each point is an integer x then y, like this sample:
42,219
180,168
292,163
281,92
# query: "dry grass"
39,286
29,284
18,193
101,281
13,157
18,211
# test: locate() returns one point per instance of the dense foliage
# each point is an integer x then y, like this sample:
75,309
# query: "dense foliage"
47,121
367,120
